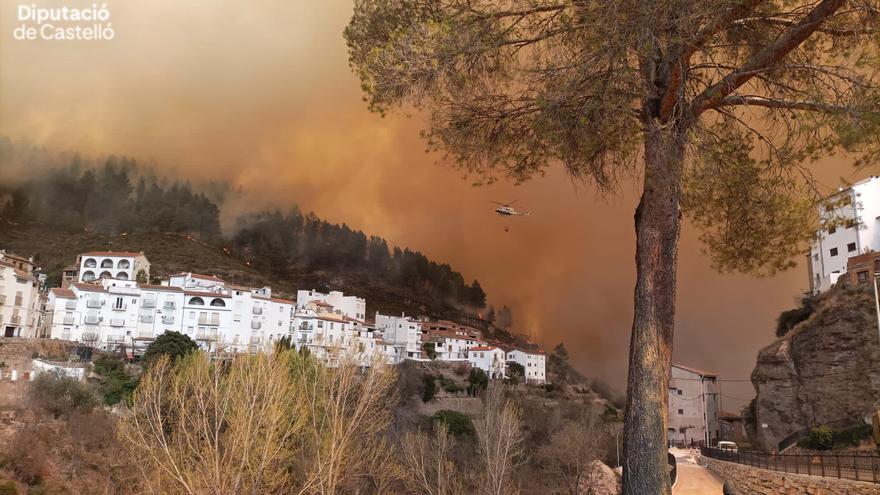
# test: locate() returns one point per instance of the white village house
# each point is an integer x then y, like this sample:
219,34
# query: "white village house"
532,361
489,358
850,226
20,297
693,406
404,333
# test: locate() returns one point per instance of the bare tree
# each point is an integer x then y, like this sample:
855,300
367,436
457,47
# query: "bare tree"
499,439
569,454
347,407
428,467
201,427
716,106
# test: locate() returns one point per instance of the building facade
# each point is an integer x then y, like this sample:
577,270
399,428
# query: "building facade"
404,333
534,362
849,226
21,299
110,264
693,406
350,306
490,359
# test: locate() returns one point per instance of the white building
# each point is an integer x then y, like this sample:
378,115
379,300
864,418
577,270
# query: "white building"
452,345
404,333
850,221
20,298
693,406
489,358
111,264
532,361
350,306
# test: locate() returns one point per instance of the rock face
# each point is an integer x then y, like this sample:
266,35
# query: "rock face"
826,370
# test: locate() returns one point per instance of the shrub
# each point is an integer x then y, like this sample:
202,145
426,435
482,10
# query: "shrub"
458,423
450,385
429,388
8,488
430,350
60,395
115,384
478,381
25,456
821,438
789,319
174,344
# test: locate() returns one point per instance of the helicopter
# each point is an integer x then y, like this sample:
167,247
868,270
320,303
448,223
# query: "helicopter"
506,210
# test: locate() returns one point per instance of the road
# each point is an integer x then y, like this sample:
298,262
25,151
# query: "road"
694,479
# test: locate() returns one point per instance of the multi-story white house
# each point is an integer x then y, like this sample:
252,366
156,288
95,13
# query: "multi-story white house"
20,297
404,333
693,406
489,358
850,226
350,306
451,344
532,361
111,264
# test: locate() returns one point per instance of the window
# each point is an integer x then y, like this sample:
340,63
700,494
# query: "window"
832,230
678,391
681,412
816,257
863,276
198,301
217,302
833,252
877,265
119,304
851,247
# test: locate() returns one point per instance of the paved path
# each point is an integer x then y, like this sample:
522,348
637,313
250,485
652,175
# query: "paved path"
694,479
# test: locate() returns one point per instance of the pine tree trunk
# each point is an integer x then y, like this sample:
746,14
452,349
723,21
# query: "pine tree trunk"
657,222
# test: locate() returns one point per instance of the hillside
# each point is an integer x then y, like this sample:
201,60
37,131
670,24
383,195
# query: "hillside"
822,372
175,252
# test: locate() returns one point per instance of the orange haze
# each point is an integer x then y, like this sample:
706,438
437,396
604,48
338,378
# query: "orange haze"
258,93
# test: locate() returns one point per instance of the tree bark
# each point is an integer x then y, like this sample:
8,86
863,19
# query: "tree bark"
657,222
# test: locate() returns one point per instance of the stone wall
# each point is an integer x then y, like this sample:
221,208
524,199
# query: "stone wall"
747,480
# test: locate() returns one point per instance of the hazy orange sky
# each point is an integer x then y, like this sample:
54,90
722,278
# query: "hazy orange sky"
259,93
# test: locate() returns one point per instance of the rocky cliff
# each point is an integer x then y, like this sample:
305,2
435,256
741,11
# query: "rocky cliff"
826,370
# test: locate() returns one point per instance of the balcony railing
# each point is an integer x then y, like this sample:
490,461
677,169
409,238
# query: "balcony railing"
90,336
94,303
92,319
211,321
149,303
68,320
120,307
145,334
256,339
258,310
146,318
208,336
117,322
70,305
169,305
168,319
116,338
256,325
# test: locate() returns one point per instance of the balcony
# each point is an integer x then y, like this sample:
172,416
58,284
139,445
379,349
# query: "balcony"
94,303
169,305
213,321
145,335
117,322
256,339
92,319
258,310
90,336
70,305
146,318
149,303
168,319
256,325
115,338
210,335
68,320
120,307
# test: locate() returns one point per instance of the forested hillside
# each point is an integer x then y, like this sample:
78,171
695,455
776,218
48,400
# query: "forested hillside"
116,199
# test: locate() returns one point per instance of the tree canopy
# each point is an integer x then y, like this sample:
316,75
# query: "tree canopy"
760,89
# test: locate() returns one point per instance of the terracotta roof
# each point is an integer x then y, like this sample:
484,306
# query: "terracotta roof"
123,254
281,301
18,273
63,293
695,370
528,351
70,268
729,416
166,288
322,303
383,342
205,294
88,287
483,348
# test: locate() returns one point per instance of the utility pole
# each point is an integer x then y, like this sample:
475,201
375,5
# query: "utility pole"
877,305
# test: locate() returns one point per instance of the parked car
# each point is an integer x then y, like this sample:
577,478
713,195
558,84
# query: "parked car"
728,446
